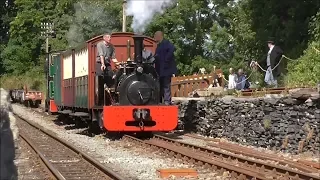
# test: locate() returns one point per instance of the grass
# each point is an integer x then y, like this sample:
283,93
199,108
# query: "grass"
267,123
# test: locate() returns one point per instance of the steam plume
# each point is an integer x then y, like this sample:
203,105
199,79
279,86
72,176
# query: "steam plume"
90,19
144,10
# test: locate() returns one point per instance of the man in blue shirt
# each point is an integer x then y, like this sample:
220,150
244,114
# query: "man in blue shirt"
165,65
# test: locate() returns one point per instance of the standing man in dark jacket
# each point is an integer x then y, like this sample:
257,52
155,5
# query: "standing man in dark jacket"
165,65
270,62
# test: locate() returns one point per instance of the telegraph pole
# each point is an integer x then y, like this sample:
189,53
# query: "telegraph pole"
47,31
124,16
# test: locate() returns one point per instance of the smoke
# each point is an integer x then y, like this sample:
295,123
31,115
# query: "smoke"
144,10
90,19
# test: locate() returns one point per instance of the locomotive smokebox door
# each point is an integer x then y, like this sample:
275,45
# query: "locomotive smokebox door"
141,114
138,47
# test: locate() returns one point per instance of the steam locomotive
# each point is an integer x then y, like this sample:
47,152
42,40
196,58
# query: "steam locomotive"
132,105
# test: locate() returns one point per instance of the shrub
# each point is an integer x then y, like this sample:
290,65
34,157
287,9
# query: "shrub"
305,71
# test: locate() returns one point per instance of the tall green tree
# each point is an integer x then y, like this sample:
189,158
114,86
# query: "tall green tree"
7,13
286,20
24,46
92,18
187,25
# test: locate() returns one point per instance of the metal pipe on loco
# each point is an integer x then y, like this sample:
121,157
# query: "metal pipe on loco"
128,49
138,47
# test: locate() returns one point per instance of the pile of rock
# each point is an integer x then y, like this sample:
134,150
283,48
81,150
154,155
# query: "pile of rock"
289,123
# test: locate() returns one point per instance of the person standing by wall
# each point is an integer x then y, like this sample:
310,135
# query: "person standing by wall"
165,65
271,63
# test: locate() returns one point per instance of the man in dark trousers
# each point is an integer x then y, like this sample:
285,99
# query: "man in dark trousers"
165,65
272,63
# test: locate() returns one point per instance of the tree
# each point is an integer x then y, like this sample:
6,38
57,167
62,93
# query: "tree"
24,46
8,12
92,18
306,69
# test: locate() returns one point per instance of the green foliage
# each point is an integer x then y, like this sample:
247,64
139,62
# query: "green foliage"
17,58
33,78
91,18
266,123
285,20
206,33
7,13
306,69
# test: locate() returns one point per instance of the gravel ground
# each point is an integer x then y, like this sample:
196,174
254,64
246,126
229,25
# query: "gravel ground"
27,164
129,160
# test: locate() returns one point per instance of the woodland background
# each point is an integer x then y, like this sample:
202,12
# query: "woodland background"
228,34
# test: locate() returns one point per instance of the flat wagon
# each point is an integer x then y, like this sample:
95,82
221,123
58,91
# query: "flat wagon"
27,97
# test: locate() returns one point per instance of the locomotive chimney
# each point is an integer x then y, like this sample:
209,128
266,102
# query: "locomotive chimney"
138,47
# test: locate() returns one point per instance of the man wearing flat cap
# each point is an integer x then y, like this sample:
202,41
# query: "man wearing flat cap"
271,63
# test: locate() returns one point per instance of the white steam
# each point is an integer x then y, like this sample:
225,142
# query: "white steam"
144,10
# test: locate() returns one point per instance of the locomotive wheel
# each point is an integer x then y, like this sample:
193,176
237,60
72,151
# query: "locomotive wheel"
36,104
46,107
79,122
26,103
94,128
100,121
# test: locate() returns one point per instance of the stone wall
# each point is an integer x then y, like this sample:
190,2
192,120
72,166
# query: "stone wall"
286,123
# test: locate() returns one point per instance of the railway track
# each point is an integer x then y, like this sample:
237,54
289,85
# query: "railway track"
27,158
303,165
62,159
239,167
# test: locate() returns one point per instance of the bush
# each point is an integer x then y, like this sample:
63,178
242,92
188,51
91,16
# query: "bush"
305,71
33,79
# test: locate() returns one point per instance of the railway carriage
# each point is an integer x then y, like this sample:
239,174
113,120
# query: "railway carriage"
132,106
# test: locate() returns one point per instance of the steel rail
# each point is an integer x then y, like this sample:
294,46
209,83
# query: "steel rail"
263,165
305,166
236,171
49,165
251,169
106,170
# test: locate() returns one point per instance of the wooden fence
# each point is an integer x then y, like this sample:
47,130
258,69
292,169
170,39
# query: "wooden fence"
182,86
